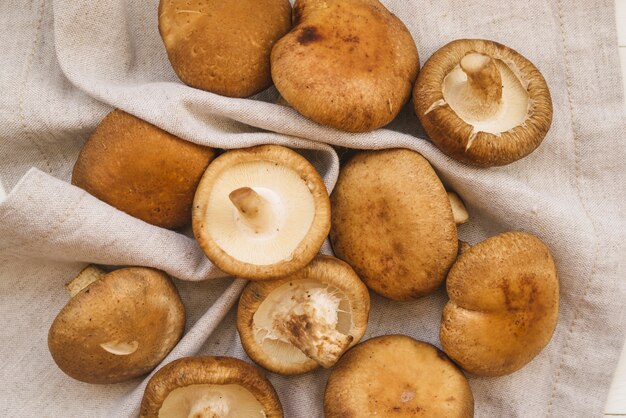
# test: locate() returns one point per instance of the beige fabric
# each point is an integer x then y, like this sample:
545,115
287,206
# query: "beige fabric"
67,63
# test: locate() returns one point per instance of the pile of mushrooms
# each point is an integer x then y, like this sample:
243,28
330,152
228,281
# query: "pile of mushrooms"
263,213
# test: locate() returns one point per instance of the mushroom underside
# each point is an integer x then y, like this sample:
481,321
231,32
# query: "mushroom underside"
213,401
283,205
304,319
487,112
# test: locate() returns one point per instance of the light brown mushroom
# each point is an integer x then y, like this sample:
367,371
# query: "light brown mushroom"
309,318
504,303
397,376
223,46
261,212
482,103
209,387
117,326
349,64
392,222
141,169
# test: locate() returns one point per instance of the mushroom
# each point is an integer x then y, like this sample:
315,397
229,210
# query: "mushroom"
117,326
209,387
348,64
504,303
482,103
395,375
141,170
261,212
310,318
392,222
223,46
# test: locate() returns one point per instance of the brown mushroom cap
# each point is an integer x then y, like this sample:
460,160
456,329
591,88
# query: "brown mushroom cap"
504,303
482,103
296,323
261,212
349,64
119,327
397,376
392,222
223,46
218,387
141,169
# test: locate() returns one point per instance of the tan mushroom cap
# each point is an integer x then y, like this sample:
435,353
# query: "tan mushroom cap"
141,169
397,376
504,303
216,387
118,327
349,64
392,222
223,46
482,103
261,212
296,323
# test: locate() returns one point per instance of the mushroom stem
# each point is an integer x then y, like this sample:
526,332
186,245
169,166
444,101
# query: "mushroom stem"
87,276
484,82
211,406
458,209
309,323
256,212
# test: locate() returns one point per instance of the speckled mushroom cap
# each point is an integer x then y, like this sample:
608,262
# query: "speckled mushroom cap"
392,222
309,318
349,64
397,376
222,387
482,103
142,170
261,212
223,46
118,327
504,303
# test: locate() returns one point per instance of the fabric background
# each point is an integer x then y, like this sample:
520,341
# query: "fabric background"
66,63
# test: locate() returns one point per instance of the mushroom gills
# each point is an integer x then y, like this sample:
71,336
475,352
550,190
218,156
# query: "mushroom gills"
287,210
488,108
211,401
304,319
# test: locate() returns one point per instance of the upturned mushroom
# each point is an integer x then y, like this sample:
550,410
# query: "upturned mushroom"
504,303
397,376
261,212
393,223
348,64
141,169
223,46
310,318
209,387
117,326
482,103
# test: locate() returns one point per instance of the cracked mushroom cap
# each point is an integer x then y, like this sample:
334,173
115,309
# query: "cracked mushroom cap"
482,103
214,387
223,46
310,318
348,64
117,326
261,212
504,303
397,376
393,223
141,169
